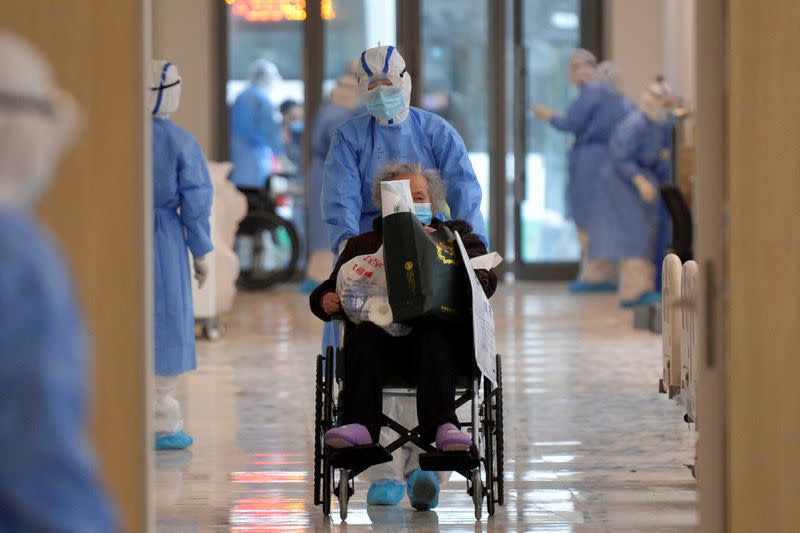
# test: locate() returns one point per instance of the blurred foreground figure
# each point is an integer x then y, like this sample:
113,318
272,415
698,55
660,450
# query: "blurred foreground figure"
182,196
47,478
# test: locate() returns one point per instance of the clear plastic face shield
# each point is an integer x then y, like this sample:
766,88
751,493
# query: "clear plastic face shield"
582,67
657,101
34,131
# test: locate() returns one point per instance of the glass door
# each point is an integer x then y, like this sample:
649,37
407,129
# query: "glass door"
546,32
455,76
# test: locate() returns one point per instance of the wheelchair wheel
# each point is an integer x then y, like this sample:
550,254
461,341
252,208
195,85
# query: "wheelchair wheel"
268,248
477,492
344,491
327,488
498,433
318,465
489,439
326,404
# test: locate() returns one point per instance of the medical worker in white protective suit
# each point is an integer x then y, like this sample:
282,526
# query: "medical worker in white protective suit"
392,130
47,474
624,229
182,196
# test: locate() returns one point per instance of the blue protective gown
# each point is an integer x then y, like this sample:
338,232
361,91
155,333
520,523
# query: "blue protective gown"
625,226
361,147
592,118
47,478
329,118
182,195
255,138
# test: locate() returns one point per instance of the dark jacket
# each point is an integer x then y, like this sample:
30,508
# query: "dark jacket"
368,243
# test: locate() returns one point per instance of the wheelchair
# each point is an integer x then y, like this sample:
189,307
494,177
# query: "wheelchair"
335,470
267,242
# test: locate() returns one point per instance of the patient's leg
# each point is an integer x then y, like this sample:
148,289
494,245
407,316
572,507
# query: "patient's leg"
365,346
436,345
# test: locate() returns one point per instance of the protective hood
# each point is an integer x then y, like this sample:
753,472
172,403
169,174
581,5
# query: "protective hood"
656,101
164,92
264,73
37,121
345,94
385,63
608,72
583,67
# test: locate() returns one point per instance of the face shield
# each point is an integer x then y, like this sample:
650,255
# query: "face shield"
37,122
582,67
656,102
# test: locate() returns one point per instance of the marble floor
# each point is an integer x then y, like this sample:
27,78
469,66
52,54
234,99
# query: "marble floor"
590,444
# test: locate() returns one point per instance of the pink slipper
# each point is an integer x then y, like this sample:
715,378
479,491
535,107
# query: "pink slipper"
450,439
348,436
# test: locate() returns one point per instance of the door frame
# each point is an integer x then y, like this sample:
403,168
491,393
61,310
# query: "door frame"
592,30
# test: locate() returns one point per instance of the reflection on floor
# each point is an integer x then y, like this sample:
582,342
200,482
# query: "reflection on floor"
590,444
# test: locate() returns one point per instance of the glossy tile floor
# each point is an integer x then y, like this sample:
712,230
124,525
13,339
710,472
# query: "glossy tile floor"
590,445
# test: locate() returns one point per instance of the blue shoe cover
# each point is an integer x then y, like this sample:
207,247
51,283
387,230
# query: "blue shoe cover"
578,287
646,299
385,492
650,298
307,286
423,490
173,441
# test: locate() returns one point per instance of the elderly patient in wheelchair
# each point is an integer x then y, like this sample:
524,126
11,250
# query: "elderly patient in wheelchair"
430,357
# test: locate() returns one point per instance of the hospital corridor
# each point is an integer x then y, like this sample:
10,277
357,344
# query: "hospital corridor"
576,457
399,266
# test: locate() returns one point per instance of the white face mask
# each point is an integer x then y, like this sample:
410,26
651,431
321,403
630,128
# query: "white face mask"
31,144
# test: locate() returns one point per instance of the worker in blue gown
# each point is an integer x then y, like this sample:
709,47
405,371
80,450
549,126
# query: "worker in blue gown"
639,164
342,105
255,129
591,118
48,478
182,196
392,130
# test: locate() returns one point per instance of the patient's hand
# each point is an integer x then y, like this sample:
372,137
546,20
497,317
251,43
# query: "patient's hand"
331,303
429,229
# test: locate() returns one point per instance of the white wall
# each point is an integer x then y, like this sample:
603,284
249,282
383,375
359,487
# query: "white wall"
183,32
650,37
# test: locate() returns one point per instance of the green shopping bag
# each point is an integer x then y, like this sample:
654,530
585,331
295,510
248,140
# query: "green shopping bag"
424,271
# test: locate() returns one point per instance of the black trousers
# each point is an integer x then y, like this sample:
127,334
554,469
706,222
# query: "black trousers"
430,358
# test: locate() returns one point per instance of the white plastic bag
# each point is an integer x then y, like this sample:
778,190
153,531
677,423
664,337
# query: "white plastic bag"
361,286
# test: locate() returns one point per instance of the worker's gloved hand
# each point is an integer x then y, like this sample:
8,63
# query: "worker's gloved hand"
200,270
647,191
542,112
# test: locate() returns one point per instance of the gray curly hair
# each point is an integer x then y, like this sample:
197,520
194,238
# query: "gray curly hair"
396,170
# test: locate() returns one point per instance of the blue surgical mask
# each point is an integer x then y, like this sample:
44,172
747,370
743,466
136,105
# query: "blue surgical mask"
424,213
296,127
385,103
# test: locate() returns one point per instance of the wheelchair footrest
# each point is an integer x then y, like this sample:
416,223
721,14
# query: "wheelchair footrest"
358,457
444,461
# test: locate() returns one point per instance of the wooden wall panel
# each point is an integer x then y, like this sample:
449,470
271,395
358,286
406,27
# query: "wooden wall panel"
96,211
764,184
